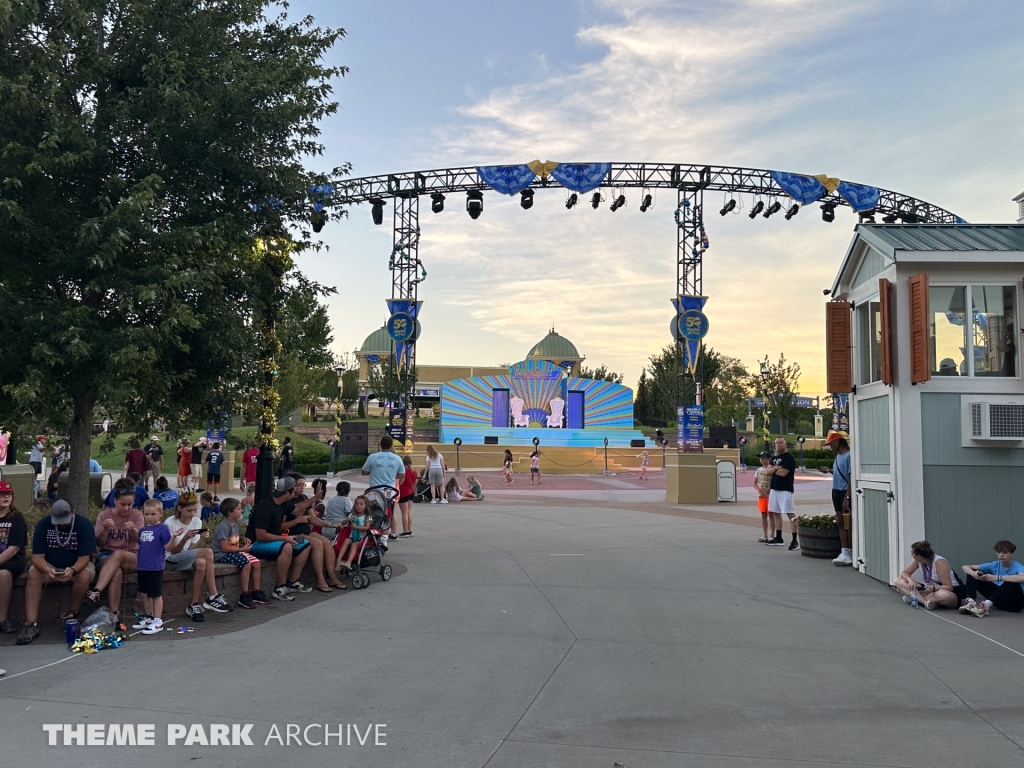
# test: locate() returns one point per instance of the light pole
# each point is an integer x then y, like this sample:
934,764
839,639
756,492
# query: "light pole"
606,456
800,439
340,371
458,463
765,373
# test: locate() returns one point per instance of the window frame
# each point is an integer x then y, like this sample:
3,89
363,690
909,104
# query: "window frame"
969,287
863,345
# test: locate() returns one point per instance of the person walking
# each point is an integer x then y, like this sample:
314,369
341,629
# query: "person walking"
645,460
506,467
841,499
284,466
434,469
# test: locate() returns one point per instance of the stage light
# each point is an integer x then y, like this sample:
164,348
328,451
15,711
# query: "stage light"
595,200
318,219
618,203
377,210
773,208
728,207
909,218
526,199
828,212
437,202
827,291
867,216
645,204
573,199
794,209
889,218
758,207
474,203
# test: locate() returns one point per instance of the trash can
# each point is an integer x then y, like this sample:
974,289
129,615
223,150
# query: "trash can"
726,480
22,479
100,484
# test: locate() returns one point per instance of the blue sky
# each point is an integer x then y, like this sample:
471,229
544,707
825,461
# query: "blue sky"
920,97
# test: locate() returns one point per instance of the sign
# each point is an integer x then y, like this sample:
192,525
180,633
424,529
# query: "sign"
798,402
427,392
396,424
693,325
841,414
690,429
401,326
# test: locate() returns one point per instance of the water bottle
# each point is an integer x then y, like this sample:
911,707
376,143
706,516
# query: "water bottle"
913,599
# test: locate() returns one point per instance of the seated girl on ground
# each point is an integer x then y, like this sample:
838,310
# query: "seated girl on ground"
453,493
930,576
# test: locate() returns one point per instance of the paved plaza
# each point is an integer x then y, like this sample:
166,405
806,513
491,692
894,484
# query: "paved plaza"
584,623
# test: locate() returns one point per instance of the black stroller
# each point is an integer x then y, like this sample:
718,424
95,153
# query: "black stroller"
370,555
423,492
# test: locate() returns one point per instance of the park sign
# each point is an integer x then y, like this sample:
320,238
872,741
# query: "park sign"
797,402
693,325
401,326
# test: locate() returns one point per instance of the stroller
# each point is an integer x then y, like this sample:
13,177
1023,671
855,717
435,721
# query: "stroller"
423,492
370,555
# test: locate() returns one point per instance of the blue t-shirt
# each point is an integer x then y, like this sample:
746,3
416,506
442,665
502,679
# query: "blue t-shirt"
152,540
841,472
140,496
94,466
168,498
996,569
213,461
384,467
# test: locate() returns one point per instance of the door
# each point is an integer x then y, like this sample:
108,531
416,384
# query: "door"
875,525
574,417
499,408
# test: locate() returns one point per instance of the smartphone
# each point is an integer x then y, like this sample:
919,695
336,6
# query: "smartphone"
920,586
59,571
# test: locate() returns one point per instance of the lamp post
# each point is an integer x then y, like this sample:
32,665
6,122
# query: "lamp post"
458,463
800,439
606,456
765,373
340,371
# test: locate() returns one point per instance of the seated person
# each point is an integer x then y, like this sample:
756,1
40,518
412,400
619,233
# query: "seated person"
299,519
117,538
930,576
474,486
360,521
162,492
271,542
63,544
453,493
186,527
133,481
13,543
337,510
999,582
230,547
207,507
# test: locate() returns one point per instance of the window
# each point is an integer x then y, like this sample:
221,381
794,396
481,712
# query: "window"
981,343
869,342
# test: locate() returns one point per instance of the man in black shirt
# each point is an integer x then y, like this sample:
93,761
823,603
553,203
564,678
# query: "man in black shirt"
271,542
156,460
780,496
285,462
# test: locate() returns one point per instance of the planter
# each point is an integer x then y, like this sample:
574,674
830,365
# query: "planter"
819,542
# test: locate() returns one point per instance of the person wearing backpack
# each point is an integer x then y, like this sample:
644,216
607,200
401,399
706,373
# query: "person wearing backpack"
841,490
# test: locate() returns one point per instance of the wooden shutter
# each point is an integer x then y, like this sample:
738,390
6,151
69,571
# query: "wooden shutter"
885,316
920,358
838,350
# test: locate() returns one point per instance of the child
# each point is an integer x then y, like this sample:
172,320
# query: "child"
360,519
164,493
248,501
474,486
154,543
453,493
214,460
232,548
337,511
535,467
999,582
645,460
184,465
209,509
506,468
762,483
406,492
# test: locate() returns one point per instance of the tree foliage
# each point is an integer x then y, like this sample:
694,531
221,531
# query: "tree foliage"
661,387
601,373
383,380
146,147
780,388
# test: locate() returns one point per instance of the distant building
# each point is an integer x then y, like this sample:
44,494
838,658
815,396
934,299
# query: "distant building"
1019,200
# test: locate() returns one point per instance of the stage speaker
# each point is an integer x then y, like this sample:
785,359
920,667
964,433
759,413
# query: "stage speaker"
637,443
490,439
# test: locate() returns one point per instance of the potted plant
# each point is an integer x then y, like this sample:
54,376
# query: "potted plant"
819,536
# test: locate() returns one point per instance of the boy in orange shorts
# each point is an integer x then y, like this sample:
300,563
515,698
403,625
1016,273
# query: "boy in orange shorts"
762,483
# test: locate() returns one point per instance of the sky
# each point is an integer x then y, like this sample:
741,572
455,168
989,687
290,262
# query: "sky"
923,97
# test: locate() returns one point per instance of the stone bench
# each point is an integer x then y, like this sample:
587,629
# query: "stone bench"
177,592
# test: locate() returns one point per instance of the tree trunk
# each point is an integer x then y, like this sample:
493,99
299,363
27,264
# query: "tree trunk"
84,401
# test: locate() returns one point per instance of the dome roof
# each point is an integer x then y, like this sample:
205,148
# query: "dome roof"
554,347
377,343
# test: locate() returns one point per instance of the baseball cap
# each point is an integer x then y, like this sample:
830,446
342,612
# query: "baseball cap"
764,455
284,485
6,487
61,512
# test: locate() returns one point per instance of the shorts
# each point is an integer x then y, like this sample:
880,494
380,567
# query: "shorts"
403,499
535,470
271,550
37,466
90,567
181,561
197,470
102,556
837,500
238,559
781,502
151,583
762,505
15,566
213,478
435,475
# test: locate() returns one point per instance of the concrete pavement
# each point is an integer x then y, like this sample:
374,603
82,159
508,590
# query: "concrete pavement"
564,632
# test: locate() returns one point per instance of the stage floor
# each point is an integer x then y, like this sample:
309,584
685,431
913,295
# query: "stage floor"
553,436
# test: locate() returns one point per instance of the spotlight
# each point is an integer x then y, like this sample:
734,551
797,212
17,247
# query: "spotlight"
377,210
573,199
828,212
773,208
794,209
318,219
758,207
728,207
618,203
645,204
526,199
909,218
827,291
867,216
474,203
437,202
889,218
595,200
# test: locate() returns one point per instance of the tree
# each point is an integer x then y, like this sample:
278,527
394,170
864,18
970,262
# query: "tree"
780,389
305,365
601,373
146,148
349,389
383,381
726,393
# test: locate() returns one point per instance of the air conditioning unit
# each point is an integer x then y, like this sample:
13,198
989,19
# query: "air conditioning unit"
991,421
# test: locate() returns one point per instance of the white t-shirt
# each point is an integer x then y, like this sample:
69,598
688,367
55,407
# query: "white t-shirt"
437,463
177,528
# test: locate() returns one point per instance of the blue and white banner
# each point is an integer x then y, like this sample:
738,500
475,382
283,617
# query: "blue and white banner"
506,179
860,197
581,177
804,189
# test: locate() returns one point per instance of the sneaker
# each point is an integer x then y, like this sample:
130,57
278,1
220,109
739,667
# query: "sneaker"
776,543
433,501
968,605
143,623
393,536
217,604
298,586
843,559
245,600
405,535
7,627
156,626
195,612
258,597
793,546
444,501
28,633
980,610
928,605
281,593
909,600
216,498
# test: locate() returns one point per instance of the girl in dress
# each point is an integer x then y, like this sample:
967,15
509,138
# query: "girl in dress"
184,465
506,467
